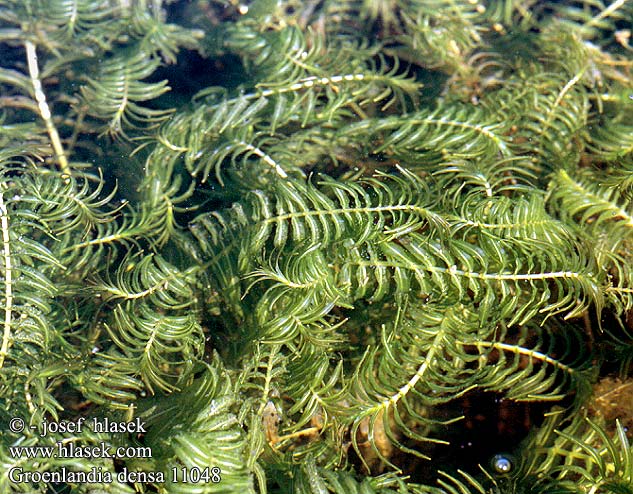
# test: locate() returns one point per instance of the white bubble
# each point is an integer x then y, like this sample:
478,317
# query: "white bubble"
502,464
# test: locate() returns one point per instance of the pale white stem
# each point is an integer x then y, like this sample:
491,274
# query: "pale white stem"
42,105
8,280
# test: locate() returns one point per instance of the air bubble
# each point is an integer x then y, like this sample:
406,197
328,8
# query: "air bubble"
502,464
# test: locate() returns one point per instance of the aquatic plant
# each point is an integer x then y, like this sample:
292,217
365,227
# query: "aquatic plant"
361,247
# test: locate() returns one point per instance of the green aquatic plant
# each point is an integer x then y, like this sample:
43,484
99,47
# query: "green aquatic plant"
344,236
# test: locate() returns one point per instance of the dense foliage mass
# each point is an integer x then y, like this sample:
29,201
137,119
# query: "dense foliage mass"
332,246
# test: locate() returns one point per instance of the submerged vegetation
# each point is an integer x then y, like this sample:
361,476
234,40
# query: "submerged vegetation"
331,246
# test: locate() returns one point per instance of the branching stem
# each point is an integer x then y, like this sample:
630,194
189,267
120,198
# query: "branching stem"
42,105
